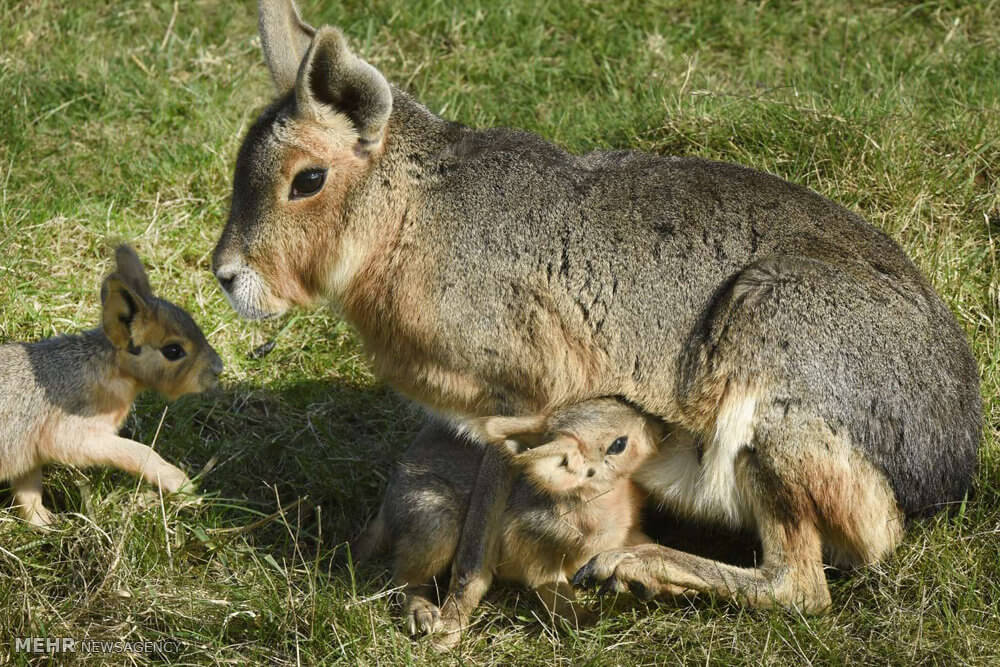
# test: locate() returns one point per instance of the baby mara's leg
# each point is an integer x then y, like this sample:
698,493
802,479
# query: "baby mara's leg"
560,601
422,545
105,449
479,543
96,449
420,615
28,498
420,557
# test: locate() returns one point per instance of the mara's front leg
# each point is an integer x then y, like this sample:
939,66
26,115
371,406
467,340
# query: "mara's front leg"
105,449
479,542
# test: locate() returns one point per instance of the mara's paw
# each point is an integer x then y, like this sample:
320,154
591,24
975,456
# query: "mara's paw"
39,517
173,480
420,616
602,572
627,569
448,633
188,489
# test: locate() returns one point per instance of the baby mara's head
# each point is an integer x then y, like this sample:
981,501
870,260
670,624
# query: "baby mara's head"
156,342
591,446
585,448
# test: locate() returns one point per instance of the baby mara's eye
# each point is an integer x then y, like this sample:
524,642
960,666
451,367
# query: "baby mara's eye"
173,351
618,446
307,183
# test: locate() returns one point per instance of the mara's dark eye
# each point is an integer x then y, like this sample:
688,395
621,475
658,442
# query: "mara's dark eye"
618,446
307,183
173,352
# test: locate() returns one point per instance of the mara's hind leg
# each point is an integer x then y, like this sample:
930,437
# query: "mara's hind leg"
805,487
417,568
791,574
413,568
786,364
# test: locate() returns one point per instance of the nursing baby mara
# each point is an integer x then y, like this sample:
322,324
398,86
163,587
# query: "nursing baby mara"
571,497
62,400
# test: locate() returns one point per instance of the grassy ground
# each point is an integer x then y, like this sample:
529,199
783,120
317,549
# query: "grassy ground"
122,119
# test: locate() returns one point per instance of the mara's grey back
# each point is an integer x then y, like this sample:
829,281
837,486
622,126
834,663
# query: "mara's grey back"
641,251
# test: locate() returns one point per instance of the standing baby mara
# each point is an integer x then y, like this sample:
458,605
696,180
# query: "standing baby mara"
62,400
570,499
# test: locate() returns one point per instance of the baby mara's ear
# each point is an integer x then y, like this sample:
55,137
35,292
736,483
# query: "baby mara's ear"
561,450
126,299
557,467
513,434
125,313
131,271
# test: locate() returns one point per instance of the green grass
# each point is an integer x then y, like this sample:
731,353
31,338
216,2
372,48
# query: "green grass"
122,119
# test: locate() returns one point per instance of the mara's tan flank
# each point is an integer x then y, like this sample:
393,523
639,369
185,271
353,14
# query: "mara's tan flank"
63,399
570,498
825,389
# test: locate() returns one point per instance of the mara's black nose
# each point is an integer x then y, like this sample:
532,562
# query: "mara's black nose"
226,278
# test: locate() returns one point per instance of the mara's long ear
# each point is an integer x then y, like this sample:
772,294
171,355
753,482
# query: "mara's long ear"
513,433
284,38
124,313
131,272
333,77
562,446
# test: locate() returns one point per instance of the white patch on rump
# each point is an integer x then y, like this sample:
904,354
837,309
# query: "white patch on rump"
707,489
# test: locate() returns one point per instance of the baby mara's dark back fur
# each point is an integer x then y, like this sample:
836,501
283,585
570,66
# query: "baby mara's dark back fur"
63,399
570,498
489,272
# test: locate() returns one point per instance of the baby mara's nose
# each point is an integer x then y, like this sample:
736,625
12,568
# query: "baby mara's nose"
575,464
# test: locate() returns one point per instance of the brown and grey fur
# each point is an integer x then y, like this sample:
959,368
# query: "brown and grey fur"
570,498
827,389
62,400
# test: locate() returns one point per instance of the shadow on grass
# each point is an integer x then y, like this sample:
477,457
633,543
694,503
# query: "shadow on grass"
319,449
322,447
295,471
